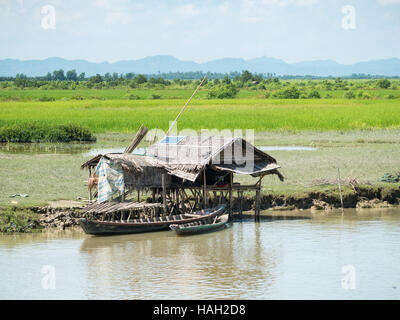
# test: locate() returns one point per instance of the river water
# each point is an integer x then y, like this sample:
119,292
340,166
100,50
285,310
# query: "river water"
319,257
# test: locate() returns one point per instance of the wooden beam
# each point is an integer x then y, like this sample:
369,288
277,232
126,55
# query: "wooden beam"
137,139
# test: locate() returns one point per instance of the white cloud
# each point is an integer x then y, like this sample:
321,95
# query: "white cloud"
119,17
116,11
251,19
304,3
188,10
224,8
285,3
388,2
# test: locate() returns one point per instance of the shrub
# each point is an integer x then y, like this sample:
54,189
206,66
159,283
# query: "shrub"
289,93
45,99
18,221
27,132
133,97
349,95
77,97
314,94
366,96
226,91
383,83
155,96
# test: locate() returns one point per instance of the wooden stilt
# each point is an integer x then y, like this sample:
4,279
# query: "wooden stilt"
183,202
164,192
240,195
90,190
257,206
177,200
340,190
205,190
230,196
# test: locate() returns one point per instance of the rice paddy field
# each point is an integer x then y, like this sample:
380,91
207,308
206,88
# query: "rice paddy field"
259,114
360,136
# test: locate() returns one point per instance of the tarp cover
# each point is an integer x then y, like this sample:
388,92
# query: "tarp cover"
111,179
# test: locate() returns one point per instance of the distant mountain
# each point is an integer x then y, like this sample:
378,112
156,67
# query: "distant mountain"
164,64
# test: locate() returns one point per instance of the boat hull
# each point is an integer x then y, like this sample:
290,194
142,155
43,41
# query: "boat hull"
96,227
197,229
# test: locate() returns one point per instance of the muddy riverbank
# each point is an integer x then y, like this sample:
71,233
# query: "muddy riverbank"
65,214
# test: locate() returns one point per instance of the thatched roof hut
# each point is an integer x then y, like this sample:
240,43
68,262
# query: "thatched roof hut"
184,158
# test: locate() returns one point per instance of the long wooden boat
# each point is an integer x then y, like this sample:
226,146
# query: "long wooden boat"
201,226
97,227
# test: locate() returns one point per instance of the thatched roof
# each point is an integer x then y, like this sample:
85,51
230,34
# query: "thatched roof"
186,157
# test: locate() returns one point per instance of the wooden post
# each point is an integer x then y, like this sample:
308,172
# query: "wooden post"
177,200
205,200
340,190
164,192
153,196
230,196
257,206
90,190
240,194
183,202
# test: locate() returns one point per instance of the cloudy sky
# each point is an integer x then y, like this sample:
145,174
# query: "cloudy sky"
111,30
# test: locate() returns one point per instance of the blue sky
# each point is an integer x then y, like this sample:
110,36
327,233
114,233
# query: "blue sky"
292,30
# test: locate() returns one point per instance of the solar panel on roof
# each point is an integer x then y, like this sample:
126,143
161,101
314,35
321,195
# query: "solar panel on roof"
171,140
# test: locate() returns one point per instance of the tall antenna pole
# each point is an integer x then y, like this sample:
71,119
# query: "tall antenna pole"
184,107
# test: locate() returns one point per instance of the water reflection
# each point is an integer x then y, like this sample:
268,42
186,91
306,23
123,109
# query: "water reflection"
276,259
216,265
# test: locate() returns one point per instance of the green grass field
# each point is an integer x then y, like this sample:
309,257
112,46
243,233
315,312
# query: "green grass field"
257,114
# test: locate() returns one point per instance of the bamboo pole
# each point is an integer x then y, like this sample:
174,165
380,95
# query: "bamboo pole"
340,190
184,107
